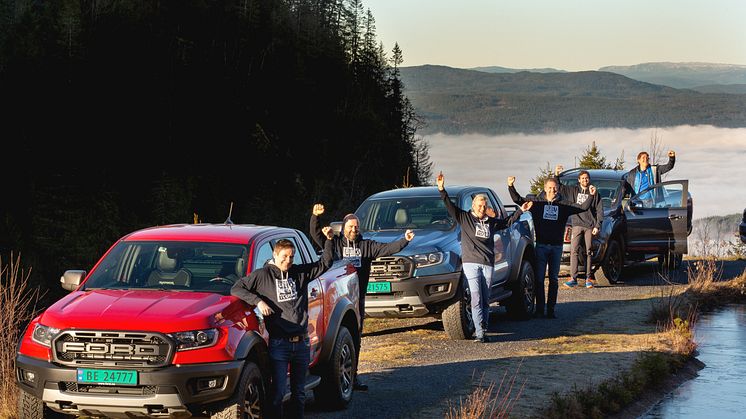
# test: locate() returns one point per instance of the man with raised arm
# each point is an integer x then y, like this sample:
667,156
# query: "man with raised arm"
550,215
478,226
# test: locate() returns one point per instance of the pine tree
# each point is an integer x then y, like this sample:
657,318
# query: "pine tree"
537,183
592,159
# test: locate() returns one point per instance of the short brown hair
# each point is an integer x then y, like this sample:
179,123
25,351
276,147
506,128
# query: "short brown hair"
584,172
641,153
283,244
551,179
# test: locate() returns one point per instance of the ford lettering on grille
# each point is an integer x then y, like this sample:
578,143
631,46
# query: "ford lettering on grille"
106,348
391,267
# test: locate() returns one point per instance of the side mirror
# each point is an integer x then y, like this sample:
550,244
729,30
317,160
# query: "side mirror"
336,227
71,279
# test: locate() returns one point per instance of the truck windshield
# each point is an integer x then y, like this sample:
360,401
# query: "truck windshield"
212,267
607,189
406,213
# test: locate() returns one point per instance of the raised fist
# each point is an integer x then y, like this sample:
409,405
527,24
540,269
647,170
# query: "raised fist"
318,209
440,181
327,231
511,180
671,153
409,235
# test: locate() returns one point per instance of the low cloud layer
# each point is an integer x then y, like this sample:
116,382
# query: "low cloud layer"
713,159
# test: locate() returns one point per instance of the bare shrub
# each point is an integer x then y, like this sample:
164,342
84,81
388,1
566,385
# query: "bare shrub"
488,402
17,307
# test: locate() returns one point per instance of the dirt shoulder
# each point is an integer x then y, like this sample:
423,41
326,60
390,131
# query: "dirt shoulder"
415,371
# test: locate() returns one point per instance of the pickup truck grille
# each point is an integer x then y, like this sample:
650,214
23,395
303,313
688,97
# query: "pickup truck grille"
112,349
72,387
391,268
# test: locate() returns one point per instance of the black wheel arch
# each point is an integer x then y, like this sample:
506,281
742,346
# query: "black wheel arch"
343,315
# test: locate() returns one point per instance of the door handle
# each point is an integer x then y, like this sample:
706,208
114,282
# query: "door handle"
674,217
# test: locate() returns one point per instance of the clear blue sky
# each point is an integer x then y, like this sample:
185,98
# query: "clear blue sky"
570,35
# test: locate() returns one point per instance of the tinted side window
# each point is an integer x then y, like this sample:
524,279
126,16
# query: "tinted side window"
264,254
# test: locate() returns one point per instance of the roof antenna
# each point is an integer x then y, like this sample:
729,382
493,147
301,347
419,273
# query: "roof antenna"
230,211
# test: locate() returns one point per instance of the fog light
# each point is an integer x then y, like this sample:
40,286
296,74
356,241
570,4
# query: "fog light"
210,383
434,289
29,376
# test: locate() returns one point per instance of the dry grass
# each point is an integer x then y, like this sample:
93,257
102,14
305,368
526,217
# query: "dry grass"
17,305
391,353
488,402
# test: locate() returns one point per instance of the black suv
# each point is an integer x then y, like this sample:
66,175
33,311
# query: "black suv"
654,223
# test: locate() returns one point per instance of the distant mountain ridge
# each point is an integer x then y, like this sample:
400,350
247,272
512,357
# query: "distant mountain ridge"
498,69
683,75
453,100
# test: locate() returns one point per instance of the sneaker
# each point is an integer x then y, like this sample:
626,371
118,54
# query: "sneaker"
550,314
590,283
539,315
571,283
482,339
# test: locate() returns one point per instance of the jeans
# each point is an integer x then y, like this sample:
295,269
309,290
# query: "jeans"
547,254
479,277
297,355
581,233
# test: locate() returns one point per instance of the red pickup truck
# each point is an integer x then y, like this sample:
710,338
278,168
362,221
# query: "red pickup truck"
152,330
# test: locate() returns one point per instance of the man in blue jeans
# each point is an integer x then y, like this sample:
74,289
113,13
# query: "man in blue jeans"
280,291
550,213
478,227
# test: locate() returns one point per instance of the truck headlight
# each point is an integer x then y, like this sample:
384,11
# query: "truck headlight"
43,335
195,339
428,259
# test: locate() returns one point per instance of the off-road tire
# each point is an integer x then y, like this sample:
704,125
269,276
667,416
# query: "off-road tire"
611,268
522,304
250,398
337,374
31,407
456,318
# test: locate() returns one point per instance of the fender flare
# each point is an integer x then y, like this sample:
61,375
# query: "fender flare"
335,321
250,341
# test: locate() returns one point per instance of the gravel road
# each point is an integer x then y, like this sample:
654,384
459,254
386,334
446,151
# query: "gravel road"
428,372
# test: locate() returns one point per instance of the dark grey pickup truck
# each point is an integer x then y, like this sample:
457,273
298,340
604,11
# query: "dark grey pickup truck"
654,223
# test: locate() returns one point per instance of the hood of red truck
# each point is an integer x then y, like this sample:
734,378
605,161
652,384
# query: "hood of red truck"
151,310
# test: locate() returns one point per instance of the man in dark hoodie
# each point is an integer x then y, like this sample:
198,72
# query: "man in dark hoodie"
645,174
351,247
478,227
550,213
280,291
585,225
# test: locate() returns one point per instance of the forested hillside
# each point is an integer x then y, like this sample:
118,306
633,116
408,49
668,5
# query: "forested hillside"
121,114
459,101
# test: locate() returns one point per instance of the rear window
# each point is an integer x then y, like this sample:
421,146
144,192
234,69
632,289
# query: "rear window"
607,189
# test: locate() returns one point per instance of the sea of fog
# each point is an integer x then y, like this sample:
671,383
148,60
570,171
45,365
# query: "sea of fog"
713,159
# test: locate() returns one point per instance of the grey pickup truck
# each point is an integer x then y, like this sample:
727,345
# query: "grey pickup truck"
425,278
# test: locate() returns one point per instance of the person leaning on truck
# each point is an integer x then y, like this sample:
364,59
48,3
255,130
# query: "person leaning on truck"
280,291
478,227
550,214
351,247
645,174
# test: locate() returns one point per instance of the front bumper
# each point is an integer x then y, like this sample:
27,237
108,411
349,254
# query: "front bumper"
414,297
165,392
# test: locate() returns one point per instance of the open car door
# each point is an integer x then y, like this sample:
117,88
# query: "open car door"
657,218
